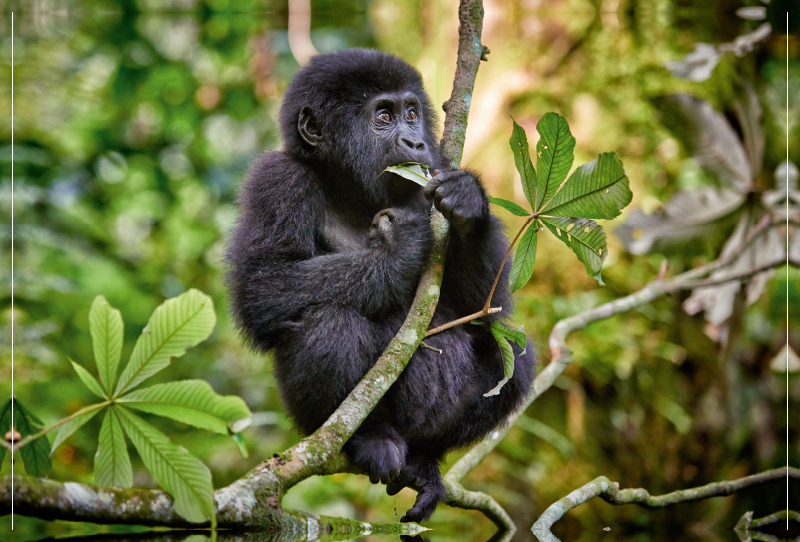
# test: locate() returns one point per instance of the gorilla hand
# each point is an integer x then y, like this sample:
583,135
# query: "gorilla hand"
459,196
399,229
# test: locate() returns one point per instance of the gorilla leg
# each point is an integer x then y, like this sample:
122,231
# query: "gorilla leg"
378,450
421,474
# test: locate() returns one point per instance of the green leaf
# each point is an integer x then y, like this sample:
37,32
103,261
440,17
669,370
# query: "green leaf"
82,416
509,206
554,156
5,425
180,474
112,464
105,325
177,324
413,171
239,441
88,380
190,401
522,159
525,256
36,454
585,237
508,361
598,189
514,335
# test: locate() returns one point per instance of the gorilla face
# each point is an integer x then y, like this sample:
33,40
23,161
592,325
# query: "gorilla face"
397,124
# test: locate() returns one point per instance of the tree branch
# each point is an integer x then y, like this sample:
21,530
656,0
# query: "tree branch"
609,491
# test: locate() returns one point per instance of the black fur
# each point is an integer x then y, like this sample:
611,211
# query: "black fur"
326,257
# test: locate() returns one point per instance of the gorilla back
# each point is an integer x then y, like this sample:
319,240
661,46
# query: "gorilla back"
326,256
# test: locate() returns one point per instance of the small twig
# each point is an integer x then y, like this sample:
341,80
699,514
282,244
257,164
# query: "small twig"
429,347
714,281
609,491
464,320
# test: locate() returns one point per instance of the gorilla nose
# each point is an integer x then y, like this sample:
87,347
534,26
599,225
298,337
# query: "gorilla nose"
415,144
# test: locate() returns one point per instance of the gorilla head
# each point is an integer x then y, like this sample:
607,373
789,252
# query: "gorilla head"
359,111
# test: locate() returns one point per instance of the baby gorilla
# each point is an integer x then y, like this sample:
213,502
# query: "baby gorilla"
326,257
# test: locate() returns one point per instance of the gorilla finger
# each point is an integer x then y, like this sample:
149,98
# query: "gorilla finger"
450,175
373,478
430,188
457,218
446,208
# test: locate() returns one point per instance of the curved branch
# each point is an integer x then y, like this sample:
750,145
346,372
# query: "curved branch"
609,491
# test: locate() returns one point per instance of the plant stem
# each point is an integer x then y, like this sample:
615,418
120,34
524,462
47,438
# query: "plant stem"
30,438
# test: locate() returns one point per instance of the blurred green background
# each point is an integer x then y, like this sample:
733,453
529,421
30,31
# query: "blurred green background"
134,122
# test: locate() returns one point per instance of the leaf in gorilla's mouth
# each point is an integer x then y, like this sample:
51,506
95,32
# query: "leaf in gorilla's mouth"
413,171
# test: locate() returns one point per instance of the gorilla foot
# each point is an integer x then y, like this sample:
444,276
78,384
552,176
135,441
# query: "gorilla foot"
427,481
381,458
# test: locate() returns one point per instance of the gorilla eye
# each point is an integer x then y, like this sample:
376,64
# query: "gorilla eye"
412,115
384,116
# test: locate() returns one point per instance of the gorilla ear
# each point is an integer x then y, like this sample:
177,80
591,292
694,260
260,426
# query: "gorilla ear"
308,127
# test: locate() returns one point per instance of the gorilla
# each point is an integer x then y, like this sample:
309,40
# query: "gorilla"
326,256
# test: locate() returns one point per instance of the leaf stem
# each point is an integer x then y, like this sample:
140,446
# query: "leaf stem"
30,438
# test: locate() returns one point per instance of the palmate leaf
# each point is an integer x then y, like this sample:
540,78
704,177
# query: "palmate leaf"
106,327
598,189
585,237
524,258
412,171
554,156
177,324
509,206
522,159
189,401
36,455
504,336
180,474
5,425
112,464
66,430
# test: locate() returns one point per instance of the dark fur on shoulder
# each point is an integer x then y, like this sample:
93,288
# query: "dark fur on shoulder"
326,257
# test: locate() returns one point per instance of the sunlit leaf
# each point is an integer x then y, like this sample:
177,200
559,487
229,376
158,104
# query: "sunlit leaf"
112,464
36,454
554,156
238,439
177,324
73,425
190,401
412,171
180,474
524,258
105,325
88,380
585,237
522,159
509,206
598,189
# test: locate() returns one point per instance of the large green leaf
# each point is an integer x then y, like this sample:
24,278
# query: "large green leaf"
112,464
509,206
190,401
88,380
180,474
585,237
522,268
105,325
522,159
177,324
513,335
598,189
36,454
554,156
81,417
5,425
